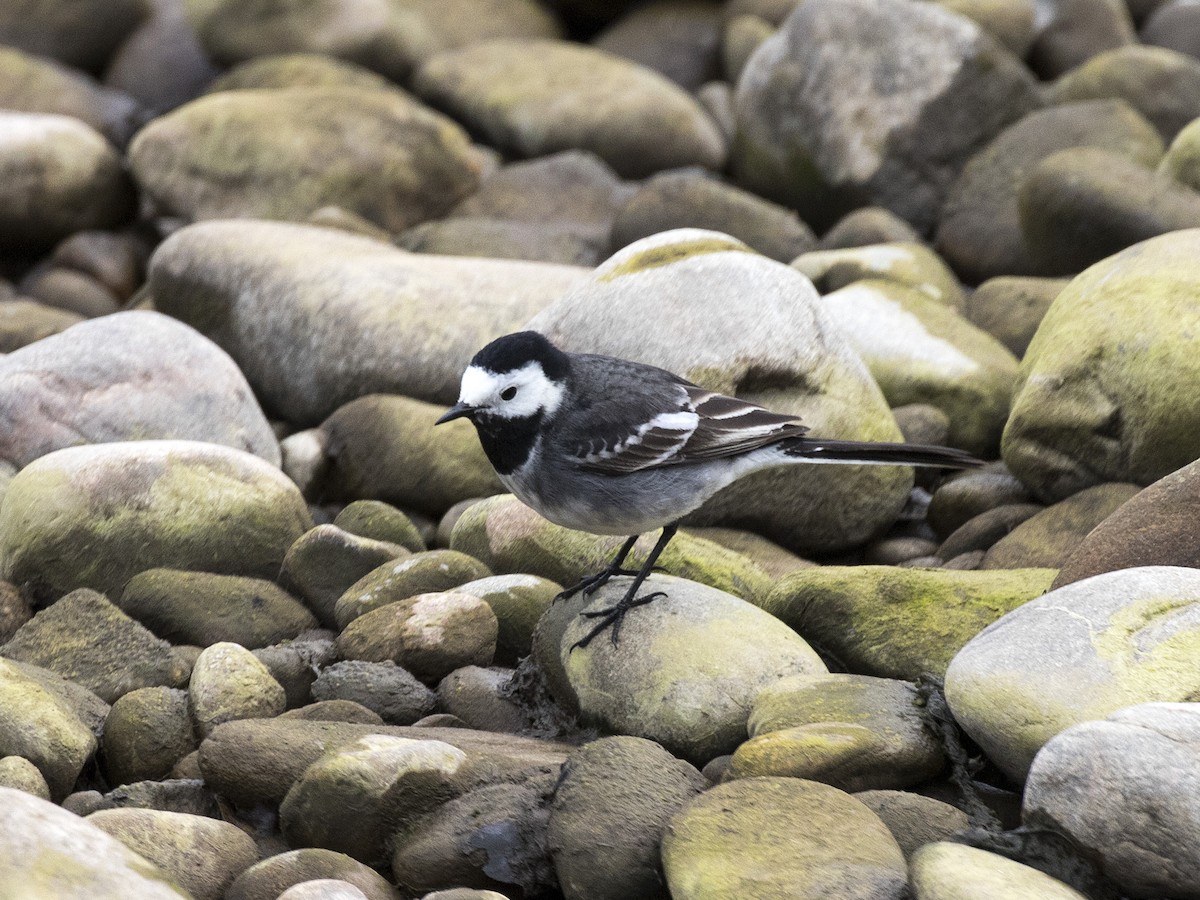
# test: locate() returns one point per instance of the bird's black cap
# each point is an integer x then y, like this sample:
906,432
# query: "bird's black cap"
511,352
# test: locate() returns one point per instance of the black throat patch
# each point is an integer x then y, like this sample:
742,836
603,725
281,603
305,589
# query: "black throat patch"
508,442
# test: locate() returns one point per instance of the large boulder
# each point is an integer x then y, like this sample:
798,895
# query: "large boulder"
686,668
128,376
702,305
145,504
277,297
929,87
531,98
269,154
1077,653
1091,403
1125,791
50,852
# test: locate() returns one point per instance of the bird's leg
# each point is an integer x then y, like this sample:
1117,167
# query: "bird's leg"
613,615
593,583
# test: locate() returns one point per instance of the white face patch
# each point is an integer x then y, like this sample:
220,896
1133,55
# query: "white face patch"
485,390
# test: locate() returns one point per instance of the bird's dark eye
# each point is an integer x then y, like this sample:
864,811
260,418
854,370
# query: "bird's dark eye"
508,393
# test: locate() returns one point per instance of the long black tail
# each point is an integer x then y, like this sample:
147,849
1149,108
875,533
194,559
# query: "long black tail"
880,454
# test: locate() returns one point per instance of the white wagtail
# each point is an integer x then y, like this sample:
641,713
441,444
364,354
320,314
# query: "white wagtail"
611,446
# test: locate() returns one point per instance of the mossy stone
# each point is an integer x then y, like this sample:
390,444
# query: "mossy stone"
380,521
144,504
201,854
914,819
509,537
200,608
146,733
269,878
19,773
760,838
518,602
87,639
229,683
1091,403
324,563
908,263
396,580
899,622
945,871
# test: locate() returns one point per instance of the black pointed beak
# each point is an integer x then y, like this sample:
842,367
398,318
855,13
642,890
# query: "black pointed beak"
457,411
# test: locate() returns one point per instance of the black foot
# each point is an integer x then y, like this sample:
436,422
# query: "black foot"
614,615
593,583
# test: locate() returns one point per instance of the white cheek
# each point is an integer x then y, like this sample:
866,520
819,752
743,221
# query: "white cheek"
539,393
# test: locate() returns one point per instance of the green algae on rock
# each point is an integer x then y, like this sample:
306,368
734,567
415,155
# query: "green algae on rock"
898,622
144,504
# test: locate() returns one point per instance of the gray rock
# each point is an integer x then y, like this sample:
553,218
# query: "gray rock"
146,733
15,611
980,227
781,837
281,71
914,820
229,683
141,505
295,664
868,225
982,531
51,852
384,687
87,639
1082,205
679,640
127,376
200,854
1048,538
1124,790
354,797
500,239
431,635
268,879
34,84
913,70
323,889
70,290
530,98
420,573
1161,84
908,264
680,39
386,447
83,35
780,350
1084,412
920,351
333,711
43,729
115,259
91,710
964,496
258,761
1174,25
743,35
324,563
272,294
1011,22
60,176
478,698
393,41
518,602
1153,528
695,199
1011,308
492,838
201,608
850,731
1077,653
179,795
162,64
947,871
1077,31
610,809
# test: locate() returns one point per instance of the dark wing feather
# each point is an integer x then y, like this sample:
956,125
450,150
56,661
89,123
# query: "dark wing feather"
633,417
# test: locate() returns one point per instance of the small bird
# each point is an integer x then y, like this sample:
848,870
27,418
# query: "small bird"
611,446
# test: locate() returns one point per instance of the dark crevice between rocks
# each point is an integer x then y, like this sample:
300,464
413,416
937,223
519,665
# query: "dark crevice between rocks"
1044,849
